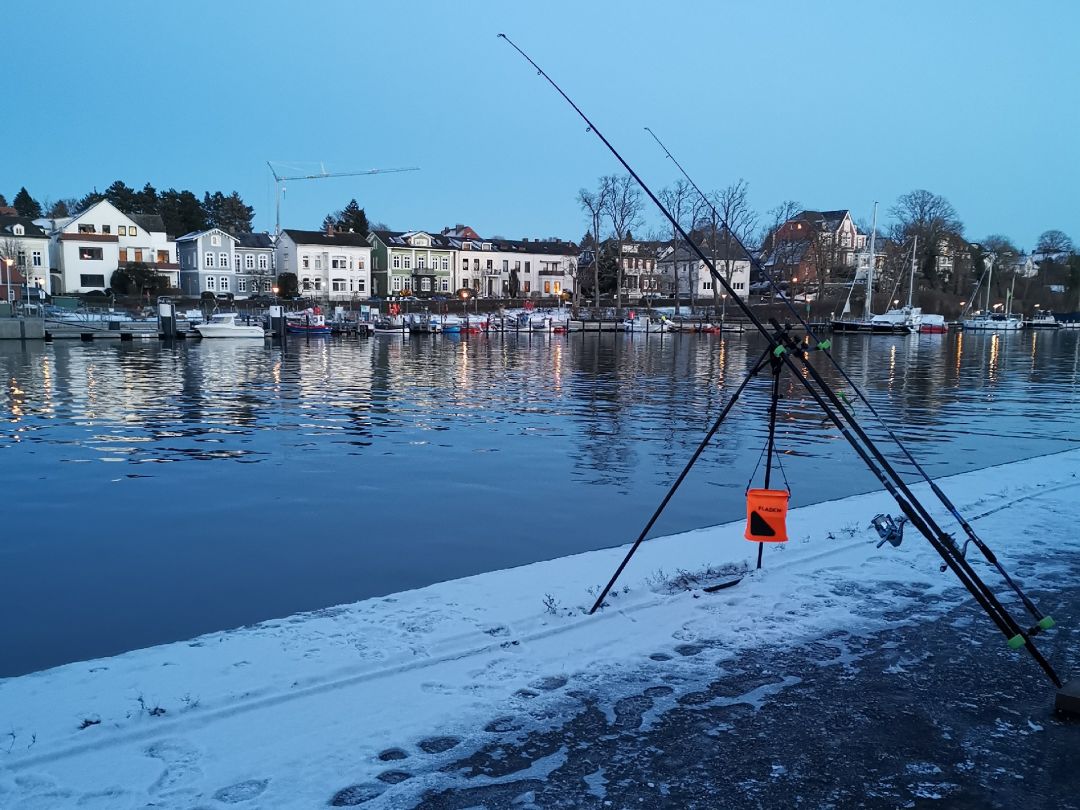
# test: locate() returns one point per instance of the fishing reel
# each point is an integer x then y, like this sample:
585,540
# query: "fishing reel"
888,529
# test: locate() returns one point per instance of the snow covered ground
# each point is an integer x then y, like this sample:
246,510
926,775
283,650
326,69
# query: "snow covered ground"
318,708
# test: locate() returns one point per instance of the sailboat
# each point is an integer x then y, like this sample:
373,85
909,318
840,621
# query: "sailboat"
988,320
908,316
869,323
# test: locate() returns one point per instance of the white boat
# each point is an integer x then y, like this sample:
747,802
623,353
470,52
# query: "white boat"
893,322
988,320
1043,320
933,324
224,325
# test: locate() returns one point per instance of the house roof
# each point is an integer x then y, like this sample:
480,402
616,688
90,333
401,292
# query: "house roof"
254,240
400,239
8,223
148,222
683,254
187,237
826,220
339,238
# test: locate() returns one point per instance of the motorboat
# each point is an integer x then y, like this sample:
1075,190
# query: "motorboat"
993,322
309,321
933,324
224,325
1043,320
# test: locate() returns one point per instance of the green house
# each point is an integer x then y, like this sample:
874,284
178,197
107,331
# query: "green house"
411,263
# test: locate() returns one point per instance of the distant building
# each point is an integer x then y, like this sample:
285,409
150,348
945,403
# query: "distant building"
254,263
207,262
24,257
694,278
86,249
332,265
539,268
813,245
412,263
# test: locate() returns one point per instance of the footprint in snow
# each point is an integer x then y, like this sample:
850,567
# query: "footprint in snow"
355,795
438,745
242,791
550,683
181,763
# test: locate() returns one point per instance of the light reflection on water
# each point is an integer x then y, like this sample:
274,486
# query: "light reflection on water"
153,493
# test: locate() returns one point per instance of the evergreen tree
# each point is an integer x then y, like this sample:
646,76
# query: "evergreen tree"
353,218
229,213
122,196
26,205
329,222
3,200
61,208
146,201
181,212
93,197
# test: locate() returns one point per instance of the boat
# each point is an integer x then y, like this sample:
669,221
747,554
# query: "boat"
1042,320
893,322
988,320
389,325
309,321
933,324
224,325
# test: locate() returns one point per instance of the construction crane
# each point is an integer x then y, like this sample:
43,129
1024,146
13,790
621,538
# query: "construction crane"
322,174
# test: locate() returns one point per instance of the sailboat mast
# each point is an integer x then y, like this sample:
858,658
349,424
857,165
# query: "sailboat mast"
911,285
868,310
989,281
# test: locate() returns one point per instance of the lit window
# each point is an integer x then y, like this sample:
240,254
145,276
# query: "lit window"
90,254
547,288
132,231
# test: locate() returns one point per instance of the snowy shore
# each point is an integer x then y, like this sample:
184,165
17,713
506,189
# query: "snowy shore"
288,713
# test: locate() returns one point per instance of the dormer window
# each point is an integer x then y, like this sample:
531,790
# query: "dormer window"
420,241
87,229
18,230
486,245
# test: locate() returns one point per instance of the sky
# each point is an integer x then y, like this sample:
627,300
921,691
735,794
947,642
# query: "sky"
834,105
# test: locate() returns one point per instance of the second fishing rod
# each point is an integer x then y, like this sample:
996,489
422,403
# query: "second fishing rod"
1044,622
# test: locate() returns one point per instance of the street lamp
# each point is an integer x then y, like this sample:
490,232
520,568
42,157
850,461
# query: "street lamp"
465,303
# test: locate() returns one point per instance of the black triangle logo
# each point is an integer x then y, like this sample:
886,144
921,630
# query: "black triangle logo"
759,528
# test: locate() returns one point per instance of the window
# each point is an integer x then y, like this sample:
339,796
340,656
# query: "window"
318,262
464,264
558,288
338,262
215,240
236,262
121,230
528,285
445,263
305,262
476,265
263,261
316,283
163,257
465,282
338,285
397,262
547,288
90,254
489,265
132,231
123,254
224,284
526,267
209,282
360,286
408,262
241,285
18,230
506,265
421,263
223,260
208,259
395,283
517,265
444,285
706,285
138,254
106,229
90,280
359,264
36,258
87,229
425,284
305,282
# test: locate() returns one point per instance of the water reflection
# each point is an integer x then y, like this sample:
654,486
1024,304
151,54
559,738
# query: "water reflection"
155,492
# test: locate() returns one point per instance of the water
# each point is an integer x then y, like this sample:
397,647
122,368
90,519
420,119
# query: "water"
152,493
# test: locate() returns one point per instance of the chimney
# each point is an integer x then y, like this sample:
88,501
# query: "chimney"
329,229
526,239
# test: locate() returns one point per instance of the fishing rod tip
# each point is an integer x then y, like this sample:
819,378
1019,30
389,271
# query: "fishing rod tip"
501,35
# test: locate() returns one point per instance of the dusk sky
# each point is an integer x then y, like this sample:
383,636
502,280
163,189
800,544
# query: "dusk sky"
833,104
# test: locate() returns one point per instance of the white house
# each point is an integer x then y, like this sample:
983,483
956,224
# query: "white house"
24,256
542,268
207,262
694,278
328,264
88,248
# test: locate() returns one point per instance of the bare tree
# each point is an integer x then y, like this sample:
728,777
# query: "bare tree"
681,200
623,211
1052,243
570,269
933,219
727,220
594,204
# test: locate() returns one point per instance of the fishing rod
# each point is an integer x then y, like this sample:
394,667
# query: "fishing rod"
1044,622
788,349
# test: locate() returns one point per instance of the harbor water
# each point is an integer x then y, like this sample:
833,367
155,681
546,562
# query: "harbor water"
154,492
